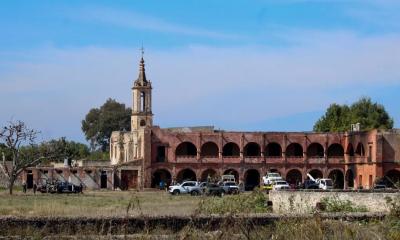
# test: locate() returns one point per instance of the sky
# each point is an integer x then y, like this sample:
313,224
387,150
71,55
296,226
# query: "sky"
237,65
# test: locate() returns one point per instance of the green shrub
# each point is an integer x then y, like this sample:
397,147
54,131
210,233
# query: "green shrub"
233,204
334,204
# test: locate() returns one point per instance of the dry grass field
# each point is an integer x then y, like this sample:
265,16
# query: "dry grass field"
97,203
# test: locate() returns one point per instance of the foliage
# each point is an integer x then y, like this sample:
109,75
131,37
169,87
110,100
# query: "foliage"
394,206
66,149
370,115
20,142
334,204
234,204
98,155
99,123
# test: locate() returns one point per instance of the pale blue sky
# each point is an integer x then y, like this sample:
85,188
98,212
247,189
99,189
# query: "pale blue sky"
238,65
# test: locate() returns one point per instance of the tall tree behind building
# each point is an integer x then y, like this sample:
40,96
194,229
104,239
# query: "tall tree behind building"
370,115
100,122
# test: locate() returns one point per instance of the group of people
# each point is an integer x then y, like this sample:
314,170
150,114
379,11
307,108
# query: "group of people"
25,187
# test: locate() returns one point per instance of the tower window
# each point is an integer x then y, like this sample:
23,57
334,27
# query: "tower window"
142,123
142,101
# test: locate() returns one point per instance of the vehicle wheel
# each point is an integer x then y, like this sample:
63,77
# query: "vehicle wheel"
194,193
176,192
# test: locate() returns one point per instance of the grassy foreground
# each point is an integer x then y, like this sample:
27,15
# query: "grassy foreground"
96,204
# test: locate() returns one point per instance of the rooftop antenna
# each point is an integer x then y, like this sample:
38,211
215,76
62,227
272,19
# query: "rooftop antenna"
142,50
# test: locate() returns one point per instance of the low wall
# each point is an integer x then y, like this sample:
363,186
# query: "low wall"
305,201
12,226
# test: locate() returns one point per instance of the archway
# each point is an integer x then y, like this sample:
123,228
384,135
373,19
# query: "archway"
360,150
186,149
294,177
392,178
209,174
186,175
252,149
251,179
161,175
315,150
209,149
350,178
232,172
337,178
335,150
231,150
273,150
294,150
350,150
316,173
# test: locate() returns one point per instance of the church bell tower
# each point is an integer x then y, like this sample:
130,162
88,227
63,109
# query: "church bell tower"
142,115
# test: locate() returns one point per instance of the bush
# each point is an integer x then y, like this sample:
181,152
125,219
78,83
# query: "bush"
334,204
234,204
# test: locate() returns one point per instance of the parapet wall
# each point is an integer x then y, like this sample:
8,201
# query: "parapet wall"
306,201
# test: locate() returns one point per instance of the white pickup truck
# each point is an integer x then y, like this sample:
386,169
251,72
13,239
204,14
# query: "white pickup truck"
271,178
190,187
323,183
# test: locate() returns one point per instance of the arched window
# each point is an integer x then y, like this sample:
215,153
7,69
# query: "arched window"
335,150
209,149
315,150
231,150
294,150
186,149
252,149
273,150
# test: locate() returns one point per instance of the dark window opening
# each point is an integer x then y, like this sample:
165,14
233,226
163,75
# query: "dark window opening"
337,179
209,149
231,149
142,123
273,150
142,101
186,149
252,179
294,177
350,150
360,150
315,150
186,175
335,150
103,179
160,154
252,150
294,150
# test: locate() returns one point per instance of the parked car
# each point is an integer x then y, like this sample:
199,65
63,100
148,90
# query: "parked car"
230,187
279,185
188,187
380,184
310,184
66,187
213,189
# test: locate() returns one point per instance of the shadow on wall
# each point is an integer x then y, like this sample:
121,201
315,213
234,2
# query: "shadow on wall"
388,151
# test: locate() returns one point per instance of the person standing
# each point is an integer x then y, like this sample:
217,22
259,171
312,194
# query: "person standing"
24,187
34,188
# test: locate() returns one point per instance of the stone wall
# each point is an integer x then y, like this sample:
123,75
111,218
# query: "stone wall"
305,201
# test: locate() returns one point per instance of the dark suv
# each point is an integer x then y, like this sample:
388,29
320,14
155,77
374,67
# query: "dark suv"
310,184
213,189
66,187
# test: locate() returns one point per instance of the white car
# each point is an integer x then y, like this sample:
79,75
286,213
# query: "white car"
279,185
191,187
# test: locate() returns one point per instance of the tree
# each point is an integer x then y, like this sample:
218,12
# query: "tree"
370,115
67,149
19,141
99,123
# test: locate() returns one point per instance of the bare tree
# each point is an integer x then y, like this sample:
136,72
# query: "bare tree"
20,141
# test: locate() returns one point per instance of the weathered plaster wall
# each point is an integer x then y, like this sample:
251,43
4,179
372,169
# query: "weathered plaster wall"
305,202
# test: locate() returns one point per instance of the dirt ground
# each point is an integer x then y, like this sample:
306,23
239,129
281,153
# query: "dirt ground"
97,203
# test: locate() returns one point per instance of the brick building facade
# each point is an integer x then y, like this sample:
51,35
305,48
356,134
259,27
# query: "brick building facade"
148,154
